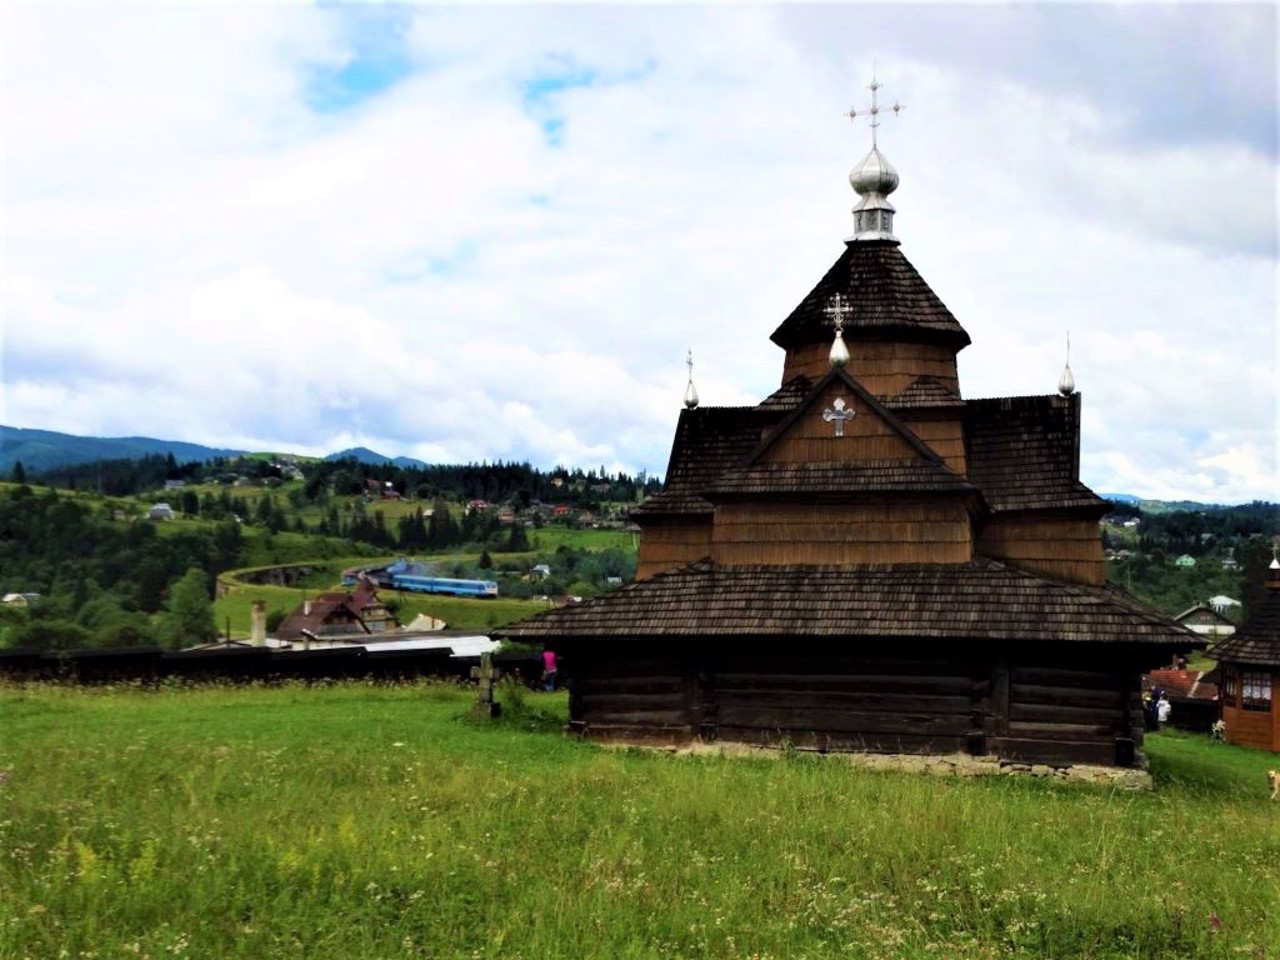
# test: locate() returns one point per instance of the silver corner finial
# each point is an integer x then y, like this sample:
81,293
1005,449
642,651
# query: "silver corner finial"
1067,383
838,311
690,392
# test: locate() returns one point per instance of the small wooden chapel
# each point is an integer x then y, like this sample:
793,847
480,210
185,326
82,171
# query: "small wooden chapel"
866,560
1250,663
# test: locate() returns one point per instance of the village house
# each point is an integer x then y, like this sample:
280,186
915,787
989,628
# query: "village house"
1250,666
1206,620
354,613
866,560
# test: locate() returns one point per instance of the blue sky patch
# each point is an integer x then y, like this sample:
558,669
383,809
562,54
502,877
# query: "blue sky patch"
423,265
378,59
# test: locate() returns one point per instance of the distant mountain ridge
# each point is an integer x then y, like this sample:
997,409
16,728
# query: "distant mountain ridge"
39,450
365,455
45,449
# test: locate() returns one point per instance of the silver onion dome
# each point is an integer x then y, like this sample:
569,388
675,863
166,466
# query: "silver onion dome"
874,174
873,179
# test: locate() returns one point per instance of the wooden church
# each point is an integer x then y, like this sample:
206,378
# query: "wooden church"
866,560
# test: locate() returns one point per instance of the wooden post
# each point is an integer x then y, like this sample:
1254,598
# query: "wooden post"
1000,697
486,676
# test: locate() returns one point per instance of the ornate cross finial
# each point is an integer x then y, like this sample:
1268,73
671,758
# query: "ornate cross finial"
838,310
838,414
874,110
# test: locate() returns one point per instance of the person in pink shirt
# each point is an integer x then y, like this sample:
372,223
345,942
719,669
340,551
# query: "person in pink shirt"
549,671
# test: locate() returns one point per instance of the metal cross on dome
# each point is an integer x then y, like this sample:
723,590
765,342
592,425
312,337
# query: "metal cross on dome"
838,414
874,110
838,309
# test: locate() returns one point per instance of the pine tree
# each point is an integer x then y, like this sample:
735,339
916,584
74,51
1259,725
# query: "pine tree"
191,610
518,541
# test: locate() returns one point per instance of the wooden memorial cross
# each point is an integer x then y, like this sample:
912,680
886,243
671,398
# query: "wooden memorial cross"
838,415
486,676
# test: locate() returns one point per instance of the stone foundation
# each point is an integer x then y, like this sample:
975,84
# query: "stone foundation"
951,765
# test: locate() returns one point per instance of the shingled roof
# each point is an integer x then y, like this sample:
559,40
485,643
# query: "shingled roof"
787,397
886,295
708,441
1024,453
1257,641
980,600
924,393
837,479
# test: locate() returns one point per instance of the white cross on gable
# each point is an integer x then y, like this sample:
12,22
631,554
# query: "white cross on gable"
838,414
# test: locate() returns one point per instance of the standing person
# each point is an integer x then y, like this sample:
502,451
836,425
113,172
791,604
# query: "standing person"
1163,709
549,671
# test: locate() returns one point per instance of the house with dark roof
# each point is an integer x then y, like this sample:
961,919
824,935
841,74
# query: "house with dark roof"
866,560
1250,665
348,615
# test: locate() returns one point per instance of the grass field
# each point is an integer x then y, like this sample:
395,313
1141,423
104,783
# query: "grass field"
358,822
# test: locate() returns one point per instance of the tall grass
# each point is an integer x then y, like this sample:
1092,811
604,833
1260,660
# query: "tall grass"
357,821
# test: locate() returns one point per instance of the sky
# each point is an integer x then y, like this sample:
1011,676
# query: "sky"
491,233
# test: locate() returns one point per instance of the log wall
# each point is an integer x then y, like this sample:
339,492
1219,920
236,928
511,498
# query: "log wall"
1041,709
843,705
1062,548
635,699
918,699
885,369
668,544
880,532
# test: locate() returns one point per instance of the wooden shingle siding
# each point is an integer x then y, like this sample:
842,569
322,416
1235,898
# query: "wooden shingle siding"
1060,547
671,543
885,369
944,435
785,533
812,439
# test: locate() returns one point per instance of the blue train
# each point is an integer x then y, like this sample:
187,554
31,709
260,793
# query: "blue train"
456,588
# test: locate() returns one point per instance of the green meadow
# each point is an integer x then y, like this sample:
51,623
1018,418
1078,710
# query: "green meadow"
358,821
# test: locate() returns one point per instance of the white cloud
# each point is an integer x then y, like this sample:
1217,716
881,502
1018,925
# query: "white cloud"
191,252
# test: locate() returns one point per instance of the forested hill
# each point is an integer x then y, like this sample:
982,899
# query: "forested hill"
39,450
